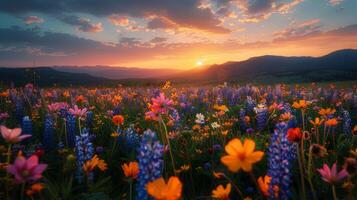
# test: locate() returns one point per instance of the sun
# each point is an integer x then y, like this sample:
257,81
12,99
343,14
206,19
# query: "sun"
199,63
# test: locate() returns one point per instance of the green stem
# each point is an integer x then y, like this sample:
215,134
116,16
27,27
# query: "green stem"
334,192
301,174
309,173
168,143
131,189
22,191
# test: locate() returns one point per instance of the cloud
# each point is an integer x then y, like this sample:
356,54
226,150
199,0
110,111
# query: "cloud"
161,23
185,14
257,10
119,20
33,19
158,40
335,2
83,25
299,30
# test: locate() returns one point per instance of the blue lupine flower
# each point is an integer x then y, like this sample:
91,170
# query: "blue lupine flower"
150,158
281,157
19,109
261,115
48,139
346,118
84,152
71,130
26,125
250,104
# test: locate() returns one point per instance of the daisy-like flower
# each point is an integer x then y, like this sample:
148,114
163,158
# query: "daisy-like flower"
159,105
26,170
301,104
90,165
200,118
327,111
317,121
330,175
215,125
160,190
222,193
78,112
12,135
241,156
131,169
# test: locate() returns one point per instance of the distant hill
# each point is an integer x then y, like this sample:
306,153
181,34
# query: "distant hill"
45,76
336,66
117,73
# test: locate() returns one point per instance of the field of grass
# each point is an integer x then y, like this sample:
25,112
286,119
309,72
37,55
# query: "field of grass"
172,142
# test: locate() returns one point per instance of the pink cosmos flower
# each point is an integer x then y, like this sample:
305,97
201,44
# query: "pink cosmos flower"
12,135
160,105
77,111
330,175
26,170
54,107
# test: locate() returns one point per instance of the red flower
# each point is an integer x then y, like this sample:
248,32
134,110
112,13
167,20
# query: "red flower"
294,134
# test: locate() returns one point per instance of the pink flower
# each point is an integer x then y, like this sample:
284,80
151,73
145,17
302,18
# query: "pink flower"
55,107
77,111
160,105
12,135
4,115
330,175
26,170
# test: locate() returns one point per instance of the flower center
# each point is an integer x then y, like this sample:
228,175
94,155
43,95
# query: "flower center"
241,156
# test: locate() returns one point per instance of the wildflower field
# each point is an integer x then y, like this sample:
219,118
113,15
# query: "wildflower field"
174,142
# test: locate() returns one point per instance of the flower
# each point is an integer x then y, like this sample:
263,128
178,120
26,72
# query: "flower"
301,104
222,193
285,116
26,170
118,120
318,150
223,108
90,165
34,189
330,175
200,118
159,190
354,152
294,134
215,125
350,166
131,170
327,111
12,135
77,111
160,105
241,156
264,184
317,122
331,122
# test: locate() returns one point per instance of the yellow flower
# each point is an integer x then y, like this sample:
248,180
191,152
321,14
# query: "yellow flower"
301,104
114,134
241,156
131,170
331,122
222,193
159,190
354,152
317,121
93,163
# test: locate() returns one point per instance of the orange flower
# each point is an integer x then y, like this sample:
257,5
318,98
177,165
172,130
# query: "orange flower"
93,163
241,156
131,170
327,111
118,120
331,122
80,99
66,94
159,190
294,134
264,184
34,189
317,121
301,104
285,116
222,193
223,108
355,128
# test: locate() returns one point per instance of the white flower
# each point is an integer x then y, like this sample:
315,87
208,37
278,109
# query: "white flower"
200,119
215,125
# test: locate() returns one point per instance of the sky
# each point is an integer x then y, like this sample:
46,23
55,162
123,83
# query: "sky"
180,34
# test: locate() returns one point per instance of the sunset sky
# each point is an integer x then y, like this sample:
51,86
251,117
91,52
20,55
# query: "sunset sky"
179,34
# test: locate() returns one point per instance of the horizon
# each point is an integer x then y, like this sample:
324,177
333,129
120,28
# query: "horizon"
171,34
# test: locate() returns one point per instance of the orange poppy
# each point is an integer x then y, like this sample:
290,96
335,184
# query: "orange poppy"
331,122
264,184
241,156
160,190
90,165
326,111
294,134
301,104
222,193
131,170
118,120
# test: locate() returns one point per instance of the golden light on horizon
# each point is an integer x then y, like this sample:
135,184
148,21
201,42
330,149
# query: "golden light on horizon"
199,63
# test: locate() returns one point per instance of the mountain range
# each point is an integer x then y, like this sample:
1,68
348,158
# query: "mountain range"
337,66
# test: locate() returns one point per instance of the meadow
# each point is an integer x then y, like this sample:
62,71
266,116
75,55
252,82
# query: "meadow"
173,142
